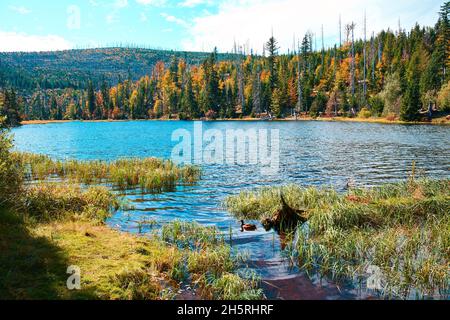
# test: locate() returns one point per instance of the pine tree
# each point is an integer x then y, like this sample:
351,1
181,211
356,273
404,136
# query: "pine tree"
188,104
443,41
272,48
55,109
256,93
106,99
91,100
411,101
10,108
210,92
275,104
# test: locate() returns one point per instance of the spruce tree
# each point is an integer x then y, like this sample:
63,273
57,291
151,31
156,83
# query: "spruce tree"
272,48
411,101
188,103
276,103
10,108
443,42
91,100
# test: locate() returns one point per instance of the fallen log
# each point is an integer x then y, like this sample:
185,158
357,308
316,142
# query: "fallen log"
286,218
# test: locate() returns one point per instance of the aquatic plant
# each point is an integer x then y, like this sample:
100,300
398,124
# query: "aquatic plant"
191,235
10,170
230,286
403,229
137,284
149,174
210,263
56,201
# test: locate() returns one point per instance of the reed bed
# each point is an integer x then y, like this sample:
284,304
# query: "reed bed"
403,229
263,203
46,202
124,266
210,264
151,175
188,235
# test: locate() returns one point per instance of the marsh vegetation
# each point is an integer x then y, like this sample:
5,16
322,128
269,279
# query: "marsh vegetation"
148,174
53,214
402,229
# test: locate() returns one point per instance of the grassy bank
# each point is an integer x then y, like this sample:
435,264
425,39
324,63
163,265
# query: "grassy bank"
403,229
52,216
150,174
55,226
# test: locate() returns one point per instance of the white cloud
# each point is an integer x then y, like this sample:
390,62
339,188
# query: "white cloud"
13,41
250,21
143,17
94,3
155,3
119,4
20,9
111,18
194,3
176,20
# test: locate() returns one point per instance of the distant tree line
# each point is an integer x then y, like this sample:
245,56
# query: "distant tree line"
393,74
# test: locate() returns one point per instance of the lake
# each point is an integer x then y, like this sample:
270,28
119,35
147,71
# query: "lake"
311,153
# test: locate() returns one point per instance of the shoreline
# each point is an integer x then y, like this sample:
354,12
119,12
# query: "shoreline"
436,121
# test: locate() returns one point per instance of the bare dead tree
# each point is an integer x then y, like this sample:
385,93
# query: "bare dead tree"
350,29
257,92
372,54
365,59
323,50
299,107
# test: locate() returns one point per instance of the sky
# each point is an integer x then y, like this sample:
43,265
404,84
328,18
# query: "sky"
197,25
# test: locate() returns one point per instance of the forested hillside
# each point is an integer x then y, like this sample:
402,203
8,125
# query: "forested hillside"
74,68
396,74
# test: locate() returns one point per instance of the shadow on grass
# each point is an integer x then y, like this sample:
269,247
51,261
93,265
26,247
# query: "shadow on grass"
31,267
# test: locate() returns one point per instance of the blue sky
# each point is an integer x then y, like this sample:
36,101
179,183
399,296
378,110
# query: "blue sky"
31,25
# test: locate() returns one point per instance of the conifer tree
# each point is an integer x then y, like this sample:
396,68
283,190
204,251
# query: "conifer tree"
91,100
411,101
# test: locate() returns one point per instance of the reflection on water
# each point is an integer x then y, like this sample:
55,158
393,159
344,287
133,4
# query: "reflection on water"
311,153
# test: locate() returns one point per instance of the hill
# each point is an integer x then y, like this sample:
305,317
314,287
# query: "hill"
72,68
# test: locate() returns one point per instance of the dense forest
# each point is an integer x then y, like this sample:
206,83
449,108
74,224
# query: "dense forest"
74,68
394,74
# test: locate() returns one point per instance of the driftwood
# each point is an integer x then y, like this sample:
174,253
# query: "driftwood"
286,218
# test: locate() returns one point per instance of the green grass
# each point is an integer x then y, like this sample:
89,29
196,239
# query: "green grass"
114,265
58,219
46,202
150,175
403,228
210,263
231,286
57,225
265,202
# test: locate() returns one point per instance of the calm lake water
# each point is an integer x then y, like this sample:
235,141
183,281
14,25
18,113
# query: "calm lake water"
311,153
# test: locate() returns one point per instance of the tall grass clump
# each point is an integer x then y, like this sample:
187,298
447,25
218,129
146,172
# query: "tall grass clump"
10,170
403,229
46,202
263,203
150,174
230,286
191,235
210,263
139,284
